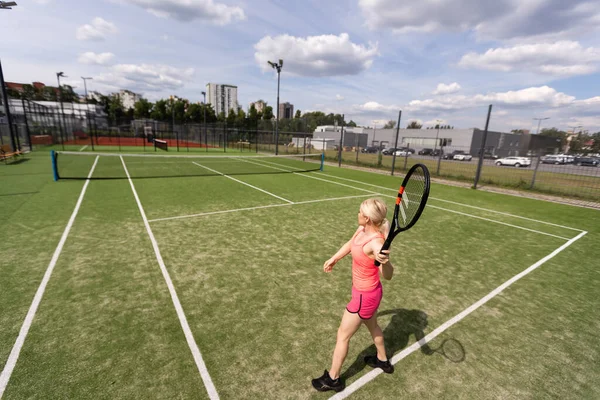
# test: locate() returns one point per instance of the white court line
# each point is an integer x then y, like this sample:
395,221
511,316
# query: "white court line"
243,183
83,148
16,350
208,383
458,317
307,176
440,208
462,204
256,208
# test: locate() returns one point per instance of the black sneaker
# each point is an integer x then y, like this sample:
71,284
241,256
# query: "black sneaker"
375,362
325,383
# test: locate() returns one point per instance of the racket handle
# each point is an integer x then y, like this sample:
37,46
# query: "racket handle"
386,246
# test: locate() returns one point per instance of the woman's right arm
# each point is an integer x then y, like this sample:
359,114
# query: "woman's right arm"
341,253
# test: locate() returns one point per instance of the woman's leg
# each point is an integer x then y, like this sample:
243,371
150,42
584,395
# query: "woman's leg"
377,335
349,325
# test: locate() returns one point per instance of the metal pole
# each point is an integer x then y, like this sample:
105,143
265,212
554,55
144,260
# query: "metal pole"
26,124
277,120
7,108
537,164
395,144
341,142
62,110
205,133
87,110
482,148
406,155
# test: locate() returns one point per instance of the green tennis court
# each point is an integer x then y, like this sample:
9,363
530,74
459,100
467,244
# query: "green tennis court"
169,277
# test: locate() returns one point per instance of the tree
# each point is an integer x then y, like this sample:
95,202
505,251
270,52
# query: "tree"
596,144
253,114
231,117
115,109
142,109
68,95
553,132
414,125
517,131
221,116
28,92
268,113
194,113
352,124
298,114
240,118
159,111
390,125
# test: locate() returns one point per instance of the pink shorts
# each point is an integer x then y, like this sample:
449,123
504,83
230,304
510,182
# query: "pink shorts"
365,304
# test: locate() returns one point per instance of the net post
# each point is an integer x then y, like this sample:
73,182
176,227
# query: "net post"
54,168
322,161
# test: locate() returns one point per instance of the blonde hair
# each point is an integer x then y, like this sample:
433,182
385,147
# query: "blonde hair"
376,210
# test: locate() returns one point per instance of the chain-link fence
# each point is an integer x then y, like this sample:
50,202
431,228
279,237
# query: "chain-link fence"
577,177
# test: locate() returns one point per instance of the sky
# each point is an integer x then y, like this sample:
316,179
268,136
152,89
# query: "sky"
445,60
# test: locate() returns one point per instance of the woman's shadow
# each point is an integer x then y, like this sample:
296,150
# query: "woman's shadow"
396,336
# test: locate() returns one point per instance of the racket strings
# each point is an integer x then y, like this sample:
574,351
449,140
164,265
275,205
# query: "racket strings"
414,191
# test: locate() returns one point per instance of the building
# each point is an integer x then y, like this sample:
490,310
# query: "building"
500,144
223,98
286,111
258,105
128,98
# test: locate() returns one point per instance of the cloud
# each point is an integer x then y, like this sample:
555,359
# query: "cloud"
145,77
500,20
190,10
543,96
97,30
325,55
90,57
374,106
447,89
339,97
562,58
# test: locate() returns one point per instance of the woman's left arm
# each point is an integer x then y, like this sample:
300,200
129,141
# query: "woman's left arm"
386,268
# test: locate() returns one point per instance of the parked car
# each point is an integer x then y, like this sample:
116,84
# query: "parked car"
425,152
514,161
458,155
369,149
389,151
437,152
402,153
554,159
490,156
589,161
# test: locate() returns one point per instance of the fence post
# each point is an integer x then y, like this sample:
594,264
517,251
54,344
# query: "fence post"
395,144
482,149
26,124
7,107
341,142
537,164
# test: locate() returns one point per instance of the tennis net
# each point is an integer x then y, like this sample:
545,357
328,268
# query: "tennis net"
77,165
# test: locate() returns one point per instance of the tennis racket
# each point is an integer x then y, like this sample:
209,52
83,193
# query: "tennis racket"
411,200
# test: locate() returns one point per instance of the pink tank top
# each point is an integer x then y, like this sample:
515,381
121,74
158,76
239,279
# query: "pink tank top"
365,275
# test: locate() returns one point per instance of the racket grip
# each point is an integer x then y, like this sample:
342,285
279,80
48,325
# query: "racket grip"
386,246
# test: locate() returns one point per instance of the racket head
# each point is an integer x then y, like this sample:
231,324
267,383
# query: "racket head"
412,197
452,350
410,202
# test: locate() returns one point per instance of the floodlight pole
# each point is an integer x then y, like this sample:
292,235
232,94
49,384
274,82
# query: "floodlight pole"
205,135
62,110
278,68
87,109
539,120
437,135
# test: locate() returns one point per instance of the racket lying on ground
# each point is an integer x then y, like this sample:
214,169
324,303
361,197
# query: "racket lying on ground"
411,200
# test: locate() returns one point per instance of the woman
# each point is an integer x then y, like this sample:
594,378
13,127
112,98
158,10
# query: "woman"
365,247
